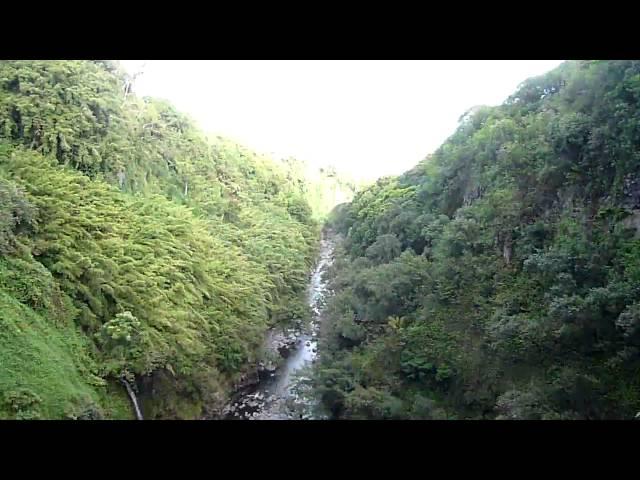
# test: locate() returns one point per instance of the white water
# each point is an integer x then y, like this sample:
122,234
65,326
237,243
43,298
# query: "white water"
133,398
275,398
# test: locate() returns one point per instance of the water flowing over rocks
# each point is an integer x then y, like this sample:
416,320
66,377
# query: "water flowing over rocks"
272,394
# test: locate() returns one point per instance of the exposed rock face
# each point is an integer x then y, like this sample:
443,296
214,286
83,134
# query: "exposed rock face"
633,221
472,195
631,191
507,248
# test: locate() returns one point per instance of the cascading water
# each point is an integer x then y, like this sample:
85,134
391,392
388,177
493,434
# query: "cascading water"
274,397
134,400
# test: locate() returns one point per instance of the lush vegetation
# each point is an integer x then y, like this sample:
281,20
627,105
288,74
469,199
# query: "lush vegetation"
499,278
132,246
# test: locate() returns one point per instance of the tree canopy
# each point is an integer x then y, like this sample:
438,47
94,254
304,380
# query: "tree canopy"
499,277
140,248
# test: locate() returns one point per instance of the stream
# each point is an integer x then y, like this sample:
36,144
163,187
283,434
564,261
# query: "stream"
276,395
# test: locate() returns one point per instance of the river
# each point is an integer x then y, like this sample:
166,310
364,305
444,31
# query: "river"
277,396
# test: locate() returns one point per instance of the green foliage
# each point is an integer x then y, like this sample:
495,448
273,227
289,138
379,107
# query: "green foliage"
47,370
172,253
502,272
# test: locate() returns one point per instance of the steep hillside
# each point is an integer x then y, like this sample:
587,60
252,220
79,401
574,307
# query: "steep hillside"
134,248
499,278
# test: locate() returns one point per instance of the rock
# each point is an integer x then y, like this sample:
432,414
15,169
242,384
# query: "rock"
633,222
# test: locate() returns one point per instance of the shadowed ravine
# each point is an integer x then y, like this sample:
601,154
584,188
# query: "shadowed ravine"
274,396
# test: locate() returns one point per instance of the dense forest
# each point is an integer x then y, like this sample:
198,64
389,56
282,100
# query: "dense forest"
500,277
497,279
135,250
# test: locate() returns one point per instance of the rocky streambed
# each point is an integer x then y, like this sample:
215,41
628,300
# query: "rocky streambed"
278,391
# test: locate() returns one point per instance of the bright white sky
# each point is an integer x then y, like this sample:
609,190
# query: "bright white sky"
368,118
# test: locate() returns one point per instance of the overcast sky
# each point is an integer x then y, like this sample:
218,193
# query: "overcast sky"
368,118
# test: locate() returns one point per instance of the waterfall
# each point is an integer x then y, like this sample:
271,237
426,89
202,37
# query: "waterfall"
133,398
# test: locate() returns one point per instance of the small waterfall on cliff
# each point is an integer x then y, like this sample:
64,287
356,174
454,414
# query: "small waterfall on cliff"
134,400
